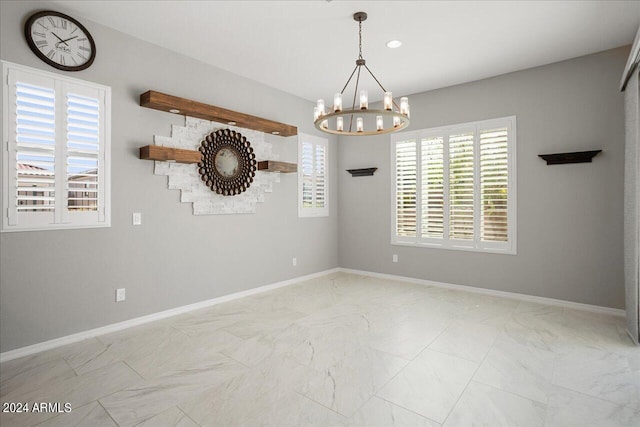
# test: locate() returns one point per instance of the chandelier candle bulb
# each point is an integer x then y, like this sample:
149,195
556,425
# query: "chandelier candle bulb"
364,100
325,124
404,105
320,107
379,123
340,123
316,113
337,102
396,121
388,101
359,124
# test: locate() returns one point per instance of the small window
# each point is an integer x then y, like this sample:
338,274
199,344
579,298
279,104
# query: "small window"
455,187
56,163
313,178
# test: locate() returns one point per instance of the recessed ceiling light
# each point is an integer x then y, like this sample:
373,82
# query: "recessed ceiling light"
232,123
174,111
275,132
392,44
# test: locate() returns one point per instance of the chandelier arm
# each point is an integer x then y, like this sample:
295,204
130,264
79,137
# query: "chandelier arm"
381,87
375,78
355,93
350,77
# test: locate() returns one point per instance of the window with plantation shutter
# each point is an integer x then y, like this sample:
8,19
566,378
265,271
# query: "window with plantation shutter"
313,176
406,188
56,158
455,187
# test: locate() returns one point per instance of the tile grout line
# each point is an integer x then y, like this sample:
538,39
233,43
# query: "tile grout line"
188,416
619,405
107,412
406,409
324,406
471,379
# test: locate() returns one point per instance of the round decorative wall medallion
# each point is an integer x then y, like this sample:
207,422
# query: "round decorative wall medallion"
228,163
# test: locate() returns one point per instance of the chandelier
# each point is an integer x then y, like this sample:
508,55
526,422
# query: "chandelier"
339,121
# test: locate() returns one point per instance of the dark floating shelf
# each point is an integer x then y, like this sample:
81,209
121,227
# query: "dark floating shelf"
362,172
575,157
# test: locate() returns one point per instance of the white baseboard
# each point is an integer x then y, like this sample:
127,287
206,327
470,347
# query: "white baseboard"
70,339
512,295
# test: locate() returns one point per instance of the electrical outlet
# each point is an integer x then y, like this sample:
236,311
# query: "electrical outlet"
137,218
294,261
120,295
395,257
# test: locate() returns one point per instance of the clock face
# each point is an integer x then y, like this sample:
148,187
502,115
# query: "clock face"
60,41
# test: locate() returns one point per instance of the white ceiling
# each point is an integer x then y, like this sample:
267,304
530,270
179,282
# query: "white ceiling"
308,48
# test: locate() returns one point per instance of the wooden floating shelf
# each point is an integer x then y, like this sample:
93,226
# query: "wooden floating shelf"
169,154
179,155
186,107
362,172
274,166
564,158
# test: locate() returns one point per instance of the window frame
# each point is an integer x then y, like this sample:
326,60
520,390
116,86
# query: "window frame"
476,245
313,212
61,218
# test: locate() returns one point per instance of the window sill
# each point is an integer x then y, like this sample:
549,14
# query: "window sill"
509,251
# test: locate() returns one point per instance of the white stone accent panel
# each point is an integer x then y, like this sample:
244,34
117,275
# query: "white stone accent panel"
187,179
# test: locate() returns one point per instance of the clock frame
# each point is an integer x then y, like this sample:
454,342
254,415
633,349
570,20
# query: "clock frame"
32,20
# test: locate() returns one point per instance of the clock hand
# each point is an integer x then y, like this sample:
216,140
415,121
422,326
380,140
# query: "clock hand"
61,41
66,40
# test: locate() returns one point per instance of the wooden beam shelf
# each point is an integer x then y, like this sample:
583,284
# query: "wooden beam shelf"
187,107
274,166
180,155
564,158
169,154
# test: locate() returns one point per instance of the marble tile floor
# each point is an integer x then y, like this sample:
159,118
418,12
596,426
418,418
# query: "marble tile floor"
342,350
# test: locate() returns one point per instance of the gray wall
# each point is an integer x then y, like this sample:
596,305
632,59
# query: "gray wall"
631,203
569,216
55,283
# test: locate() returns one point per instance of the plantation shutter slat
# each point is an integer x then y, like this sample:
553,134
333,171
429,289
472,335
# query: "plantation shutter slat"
432,158
494,185
307,175
321,175
461,187
83,152
34,160
406,188
313,176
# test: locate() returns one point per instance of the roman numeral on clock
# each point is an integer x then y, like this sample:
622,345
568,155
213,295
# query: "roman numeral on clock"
51,54
41,43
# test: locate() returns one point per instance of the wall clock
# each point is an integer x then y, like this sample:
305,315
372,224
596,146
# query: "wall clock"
228,163
60,40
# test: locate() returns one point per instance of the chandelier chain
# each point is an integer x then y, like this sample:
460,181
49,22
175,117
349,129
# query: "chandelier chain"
360,39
